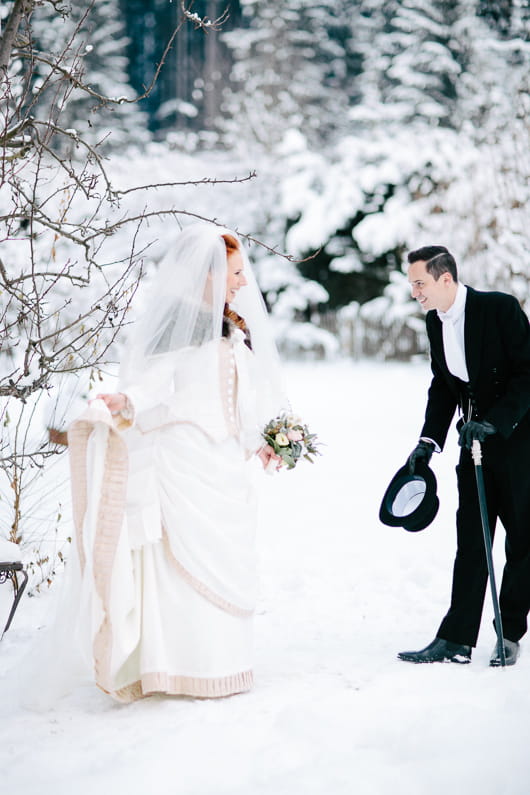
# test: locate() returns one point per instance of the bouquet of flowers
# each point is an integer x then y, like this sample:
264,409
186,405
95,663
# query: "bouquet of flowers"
290,439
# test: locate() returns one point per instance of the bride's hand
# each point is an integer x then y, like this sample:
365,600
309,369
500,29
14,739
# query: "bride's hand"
114,402
267,455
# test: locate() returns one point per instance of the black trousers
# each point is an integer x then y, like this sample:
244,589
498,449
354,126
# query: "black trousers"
506,468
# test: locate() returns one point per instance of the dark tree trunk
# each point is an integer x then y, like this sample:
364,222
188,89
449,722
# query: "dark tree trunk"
21,9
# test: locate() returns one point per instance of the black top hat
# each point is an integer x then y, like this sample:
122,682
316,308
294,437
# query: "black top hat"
410,501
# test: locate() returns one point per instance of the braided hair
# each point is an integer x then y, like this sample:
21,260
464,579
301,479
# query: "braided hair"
231,319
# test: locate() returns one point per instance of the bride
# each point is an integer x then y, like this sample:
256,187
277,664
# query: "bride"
163,572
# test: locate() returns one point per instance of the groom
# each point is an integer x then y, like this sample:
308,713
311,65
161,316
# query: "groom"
480,359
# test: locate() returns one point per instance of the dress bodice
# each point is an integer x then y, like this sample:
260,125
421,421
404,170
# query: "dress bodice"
210,386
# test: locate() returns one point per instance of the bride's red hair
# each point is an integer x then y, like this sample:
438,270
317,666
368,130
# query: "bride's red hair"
232,246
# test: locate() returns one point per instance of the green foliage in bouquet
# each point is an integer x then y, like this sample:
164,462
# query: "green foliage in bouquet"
291,440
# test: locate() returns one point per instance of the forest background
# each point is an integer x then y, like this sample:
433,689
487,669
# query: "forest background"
341,133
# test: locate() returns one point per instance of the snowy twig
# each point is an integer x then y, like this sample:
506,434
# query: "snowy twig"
204,23
203,181
274,250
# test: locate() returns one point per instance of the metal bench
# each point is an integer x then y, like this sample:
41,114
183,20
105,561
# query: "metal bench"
11,569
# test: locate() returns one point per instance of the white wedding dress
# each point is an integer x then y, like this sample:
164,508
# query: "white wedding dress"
160,585
165,517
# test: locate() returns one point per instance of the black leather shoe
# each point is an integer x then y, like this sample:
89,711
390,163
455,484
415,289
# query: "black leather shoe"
511,653
439,651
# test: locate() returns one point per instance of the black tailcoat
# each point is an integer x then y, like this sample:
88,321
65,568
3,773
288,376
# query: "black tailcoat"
497,351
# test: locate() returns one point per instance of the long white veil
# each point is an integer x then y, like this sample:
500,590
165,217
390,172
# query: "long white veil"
185,308
185,303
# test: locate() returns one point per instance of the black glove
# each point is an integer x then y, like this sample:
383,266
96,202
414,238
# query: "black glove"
422,452
475,430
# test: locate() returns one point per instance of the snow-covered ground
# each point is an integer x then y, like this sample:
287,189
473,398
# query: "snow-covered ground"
333,711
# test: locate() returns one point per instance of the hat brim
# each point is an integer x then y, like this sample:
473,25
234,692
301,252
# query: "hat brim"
410,501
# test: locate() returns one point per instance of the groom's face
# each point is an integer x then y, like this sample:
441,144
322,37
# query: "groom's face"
431,293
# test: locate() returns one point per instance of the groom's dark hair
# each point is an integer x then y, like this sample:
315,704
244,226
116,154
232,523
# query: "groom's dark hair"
437,260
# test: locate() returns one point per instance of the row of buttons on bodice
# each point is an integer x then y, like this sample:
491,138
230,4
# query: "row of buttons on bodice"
229,383
231,388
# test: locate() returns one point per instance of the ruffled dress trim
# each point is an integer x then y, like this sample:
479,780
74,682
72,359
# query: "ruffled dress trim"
197,687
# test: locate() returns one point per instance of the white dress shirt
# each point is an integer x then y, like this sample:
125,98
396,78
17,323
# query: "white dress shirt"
453,322
453,334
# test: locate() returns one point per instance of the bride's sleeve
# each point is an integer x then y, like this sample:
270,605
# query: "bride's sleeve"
125,418
148,400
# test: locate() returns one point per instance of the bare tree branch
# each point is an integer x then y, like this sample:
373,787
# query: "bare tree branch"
203,181
66,287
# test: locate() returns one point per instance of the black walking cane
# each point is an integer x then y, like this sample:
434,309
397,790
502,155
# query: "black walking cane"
476,452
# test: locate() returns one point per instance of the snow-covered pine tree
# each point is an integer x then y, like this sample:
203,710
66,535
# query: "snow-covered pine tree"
296,71
494,103
295,68
412,61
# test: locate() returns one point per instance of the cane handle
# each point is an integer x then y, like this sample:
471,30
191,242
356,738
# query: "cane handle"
476,452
